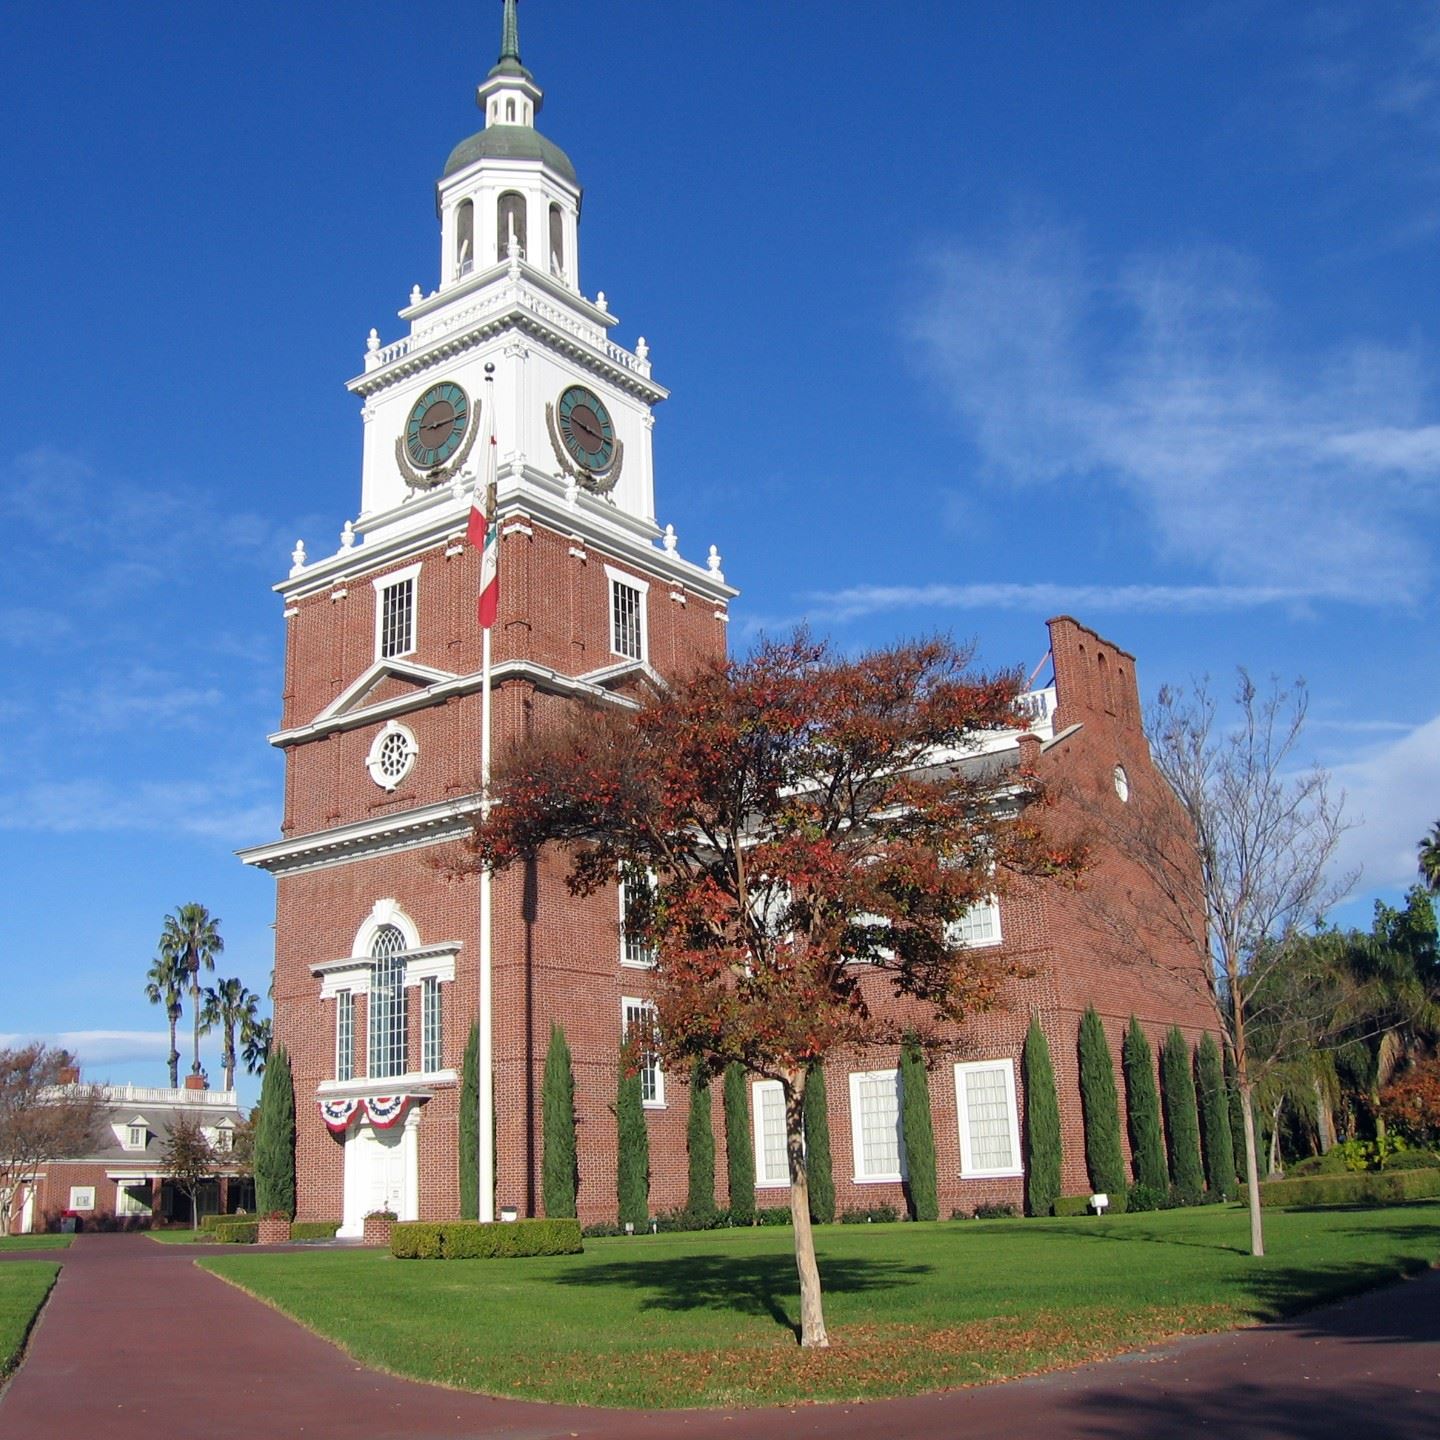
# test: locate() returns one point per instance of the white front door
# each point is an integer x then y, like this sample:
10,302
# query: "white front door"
381,1172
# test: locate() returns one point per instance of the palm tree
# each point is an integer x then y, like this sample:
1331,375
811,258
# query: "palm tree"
255,1045
1429,849
228,1007
191,939
165,985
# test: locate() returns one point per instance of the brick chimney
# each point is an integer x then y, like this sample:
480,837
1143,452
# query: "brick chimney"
196,1082
68,1075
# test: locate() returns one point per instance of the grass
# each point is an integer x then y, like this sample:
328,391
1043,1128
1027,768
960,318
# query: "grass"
709,1319
23,1288
34,1242
182,1237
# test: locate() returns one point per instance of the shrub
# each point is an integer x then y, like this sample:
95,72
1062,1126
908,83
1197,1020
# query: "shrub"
1411,1104
774,1215
1217,1147
494,1240
997,1210
918,1133
1380,1187
469,1147
680,1220
275,1137
1072,1205
632,1170
1148,1197
1043,1151
739,1153
603,1230
1104,1158
238,1232
314,1229
558,1173
1142,1105
876,1214
1182,1122
700,1146
818,1171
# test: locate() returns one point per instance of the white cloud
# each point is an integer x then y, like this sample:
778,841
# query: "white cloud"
1393,791
101,1047
1311,474
234,812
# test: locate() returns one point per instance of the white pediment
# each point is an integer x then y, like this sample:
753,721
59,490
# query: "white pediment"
366,690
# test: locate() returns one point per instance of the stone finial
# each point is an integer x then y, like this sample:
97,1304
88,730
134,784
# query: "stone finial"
713,564
347,536
671,540
297,558
372,340
601,303
642,348
416,294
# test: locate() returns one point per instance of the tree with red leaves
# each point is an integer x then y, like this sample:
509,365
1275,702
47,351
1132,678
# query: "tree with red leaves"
815,825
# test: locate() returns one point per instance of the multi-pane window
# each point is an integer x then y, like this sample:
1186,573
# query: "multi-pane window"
989,1124
979,925
771,1165
637,893
875,1125
345,1035
627,620
397,618
138,1137
430,1024
638,1026
387,1003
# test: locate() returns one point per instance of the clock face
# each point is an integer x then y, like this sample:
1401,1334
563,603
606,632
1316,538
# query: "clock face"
586,428
437,425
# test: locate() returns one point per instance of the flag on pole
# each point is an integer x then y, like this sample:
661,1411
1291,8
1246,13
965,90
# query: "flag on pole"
484,534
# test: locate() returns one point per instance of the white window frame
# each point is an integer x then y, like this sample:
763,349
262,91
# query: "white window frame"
82,1197
432,1025
642,589
627,1004
143,1128
857,1138
646,961
968,1169
764,1180
345,1034
378,746
409,575
954,930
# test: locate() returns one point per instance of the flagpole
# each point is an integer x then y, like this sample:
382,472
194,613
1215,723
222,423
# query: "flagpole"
485,1109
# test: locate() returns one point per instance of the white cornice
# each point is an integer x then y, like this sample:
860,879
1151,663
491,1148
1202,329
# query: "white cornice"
424,675
329,721
417,1085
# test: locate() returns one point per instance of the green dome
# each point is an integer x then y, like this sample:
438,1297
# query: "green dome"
510,142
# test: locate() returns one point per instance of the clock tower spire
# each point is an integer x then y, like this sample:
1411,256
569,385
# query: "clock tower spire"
509,94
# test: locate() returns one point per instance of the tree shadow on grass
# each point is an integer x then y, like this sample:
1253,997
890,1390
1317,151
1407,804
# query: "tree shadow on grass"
1100,1229
742,1285
1383,1307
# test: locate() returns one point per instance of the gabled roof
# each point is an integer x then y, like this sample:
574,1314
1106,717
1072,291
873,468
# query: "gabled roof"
365,690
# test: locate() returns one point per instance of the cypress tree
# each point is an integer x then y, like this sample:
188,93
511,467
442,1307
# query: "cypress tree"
632,1170
918,1131
1142,1100
1216,1141
1182,1124
558,1173
1237,1121
1042,1124
817,1148
470,1128
700,1145
739,1152
275,1138
1104,1155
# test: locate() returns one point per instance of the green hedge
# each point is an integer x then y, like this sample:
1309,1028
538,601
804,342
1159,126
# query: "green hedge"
237,1232
476,1240
314,1229
1080,1205
1380,1187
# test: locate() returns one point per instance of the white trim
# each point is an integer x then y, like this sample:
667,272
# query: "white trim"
382,913
79,1193
642,592
758,1091
856,1134
409,574
398,666
646,964
658,1103
953,935
413,1083
968,1169
626,578
377,746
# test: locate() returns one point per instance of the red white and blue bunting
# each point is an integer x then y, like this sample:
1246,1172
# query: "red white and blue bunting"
384,1111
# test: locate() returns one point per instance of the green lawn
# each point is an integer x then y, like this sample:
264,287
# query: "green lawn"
35,1242
23,1288
708,1318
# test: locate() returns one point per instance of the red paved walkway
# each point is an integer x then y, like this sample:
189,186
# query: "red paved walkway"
137,1344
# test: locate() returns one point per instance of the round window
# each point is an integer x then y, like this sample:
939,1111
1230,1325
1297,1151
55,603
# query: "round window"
1122,783
392,756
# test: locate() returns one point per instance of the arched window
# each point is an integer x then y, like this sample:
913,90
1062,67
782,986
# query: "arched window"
387,1003
465,237
511,216
557,241
509,112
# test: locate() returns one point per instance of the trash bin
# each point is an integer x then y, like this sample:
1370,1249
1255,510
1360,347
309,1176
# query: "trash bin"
67,1226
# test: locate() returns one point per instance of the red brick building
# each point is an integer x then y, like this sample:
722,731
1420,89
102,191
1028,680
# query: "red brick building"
376,982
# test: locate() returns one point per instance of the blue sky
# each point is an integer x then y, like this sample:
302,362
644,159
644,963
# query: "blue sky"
972,314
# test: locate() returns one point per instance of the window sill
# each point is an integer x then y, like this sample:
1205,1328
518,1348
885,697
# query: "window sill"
991,1174
772,1184
637,964
653,1105
879,1179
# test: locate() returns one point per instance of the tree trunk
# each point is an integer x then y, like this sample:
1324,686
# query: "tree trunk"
1252,1171
195,1006
1324,1118
812,1315
1275,1136
174,1053
228,1058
